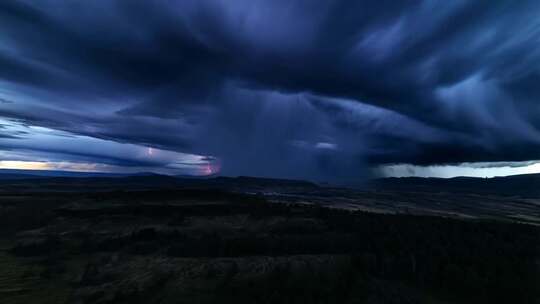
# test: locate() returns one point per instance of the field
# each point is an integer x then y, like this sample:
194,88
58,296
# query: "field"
216,246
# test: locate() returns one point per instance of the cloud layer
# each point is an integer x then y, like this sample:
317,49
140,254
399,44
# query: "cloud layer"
298,89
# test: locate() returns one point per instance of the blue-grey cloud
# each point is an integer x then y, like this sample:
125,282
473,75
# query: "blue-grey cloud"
297,88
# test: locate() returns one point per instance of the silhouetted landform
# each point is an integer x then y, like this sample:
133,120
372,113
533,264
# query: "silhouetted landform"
214,246
525,185
29,180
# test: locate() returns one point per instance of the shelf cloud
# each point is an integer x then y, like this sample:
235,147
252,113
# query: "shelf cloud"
321,90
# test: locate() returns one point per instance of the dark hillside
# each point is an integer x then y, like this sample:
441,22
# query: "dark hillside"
527,185
211,246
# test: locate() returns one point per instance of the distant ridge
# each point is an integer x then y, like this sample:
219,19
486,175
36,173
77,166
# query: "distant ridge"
15,176
20,173
519,185
525,185
72,181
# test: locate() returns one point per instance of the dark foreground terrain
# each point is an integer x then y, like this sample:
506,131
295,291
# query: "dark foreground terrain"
216,246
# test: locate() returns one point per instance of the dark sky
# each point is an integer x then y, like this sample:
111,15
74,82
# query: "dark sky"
283,88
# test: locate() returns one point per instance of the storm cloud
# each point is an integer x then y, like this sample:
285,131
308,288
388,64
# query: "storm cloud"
284,88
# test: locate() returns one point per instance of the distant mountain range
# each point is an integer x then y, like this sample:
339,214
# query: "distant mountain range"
527,185
64,180
519,185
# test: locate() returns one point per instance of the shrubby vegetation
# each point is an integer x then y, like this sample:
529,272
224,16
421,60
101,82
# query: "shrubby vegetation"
379,258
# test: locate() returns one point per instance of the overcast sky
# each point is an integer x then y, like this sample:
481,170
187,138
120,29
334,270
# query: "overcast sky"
323,90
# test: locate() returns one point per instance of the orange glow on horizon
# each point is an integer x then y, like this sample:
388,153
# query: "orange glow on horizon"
62,166
24,165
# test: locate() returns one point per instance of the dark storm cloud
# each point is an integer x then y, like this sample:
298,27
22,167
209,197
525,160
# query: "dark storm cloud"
300,89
